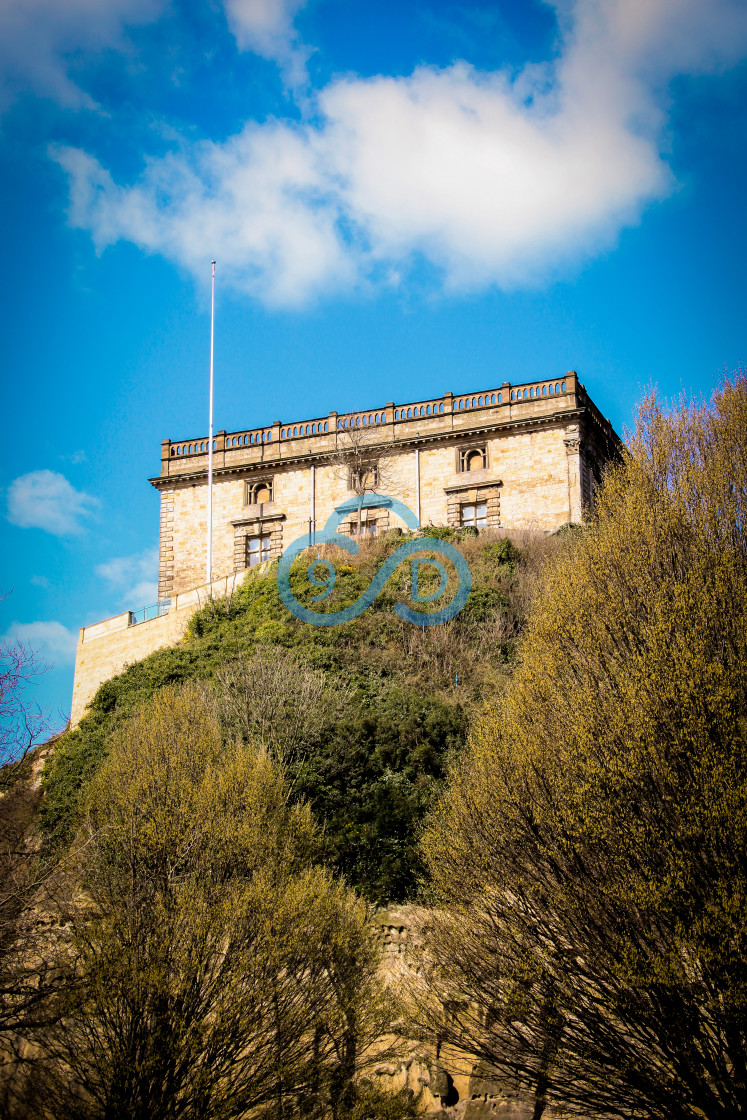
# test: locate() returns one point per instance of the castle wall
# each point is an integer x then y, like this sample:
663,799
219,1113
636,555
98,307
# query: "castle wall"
107,648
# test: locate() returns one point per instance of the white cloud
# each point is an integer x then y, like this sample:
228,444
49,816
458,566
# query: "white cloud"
37,35
491,178
266,27
46,500
262,201
53,641
132,577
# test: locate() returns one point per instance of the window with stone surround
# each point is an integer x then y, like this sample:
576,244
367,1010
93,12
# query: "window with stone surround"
474,513
476,503
472,458
258,549
257,492
368,529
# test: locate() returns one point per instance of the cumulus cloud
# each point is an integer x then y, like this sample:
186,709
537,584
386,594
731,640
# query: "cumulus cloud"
263,198
490,178
53,641
36,36
132,577
46,500
266,27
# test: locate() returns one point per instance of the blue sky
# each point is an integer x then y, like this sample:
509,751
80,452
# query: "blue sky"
403,198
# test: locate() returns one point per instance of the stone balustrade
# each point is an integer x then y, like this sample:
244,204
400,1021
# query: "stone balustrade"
271,441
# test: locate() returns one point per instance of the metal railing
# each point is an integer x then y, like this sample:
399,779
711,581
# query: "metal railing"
146,614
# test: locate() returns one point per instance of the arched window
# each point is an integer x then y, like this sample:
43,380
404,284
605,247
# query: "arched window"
257,492
473,459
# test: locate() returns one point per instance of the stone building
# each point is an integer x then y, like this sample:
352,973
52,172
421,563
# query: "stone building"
517,457
522,456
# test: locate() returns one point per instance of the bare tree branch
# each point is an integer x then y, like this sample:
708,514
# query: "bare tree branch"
365,465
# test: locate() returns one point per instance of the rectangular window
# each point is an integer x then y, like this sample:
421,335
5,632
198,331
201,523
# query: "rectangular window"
475,514
258,549
368,528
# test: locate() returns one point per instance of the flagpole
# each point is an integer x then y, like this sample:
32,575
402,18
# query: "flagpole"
210,438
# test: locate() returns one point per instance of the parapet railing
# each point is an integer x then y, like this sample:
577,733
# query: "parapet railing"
320,425
306,428
236,439
145,614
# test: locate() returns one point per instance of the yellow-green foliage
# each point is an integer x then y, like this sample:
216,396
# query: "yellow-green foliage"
212,968
173,794
597,830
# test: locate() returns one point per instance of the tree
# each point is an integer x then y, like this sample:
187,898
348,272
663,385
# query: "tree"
22,722
201,964
365,464
25,974
591,853
276,698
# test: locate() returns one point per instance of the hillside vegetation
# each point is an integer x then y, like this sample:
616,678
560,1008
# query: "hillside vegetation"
559,775
365,716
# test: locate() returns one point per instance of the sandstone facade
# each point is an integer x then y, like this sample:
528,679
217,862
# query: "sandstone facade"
519,457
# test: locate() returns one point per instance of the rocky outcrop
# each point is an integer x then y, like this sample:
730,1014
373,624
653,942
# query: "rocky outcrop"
447,1084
